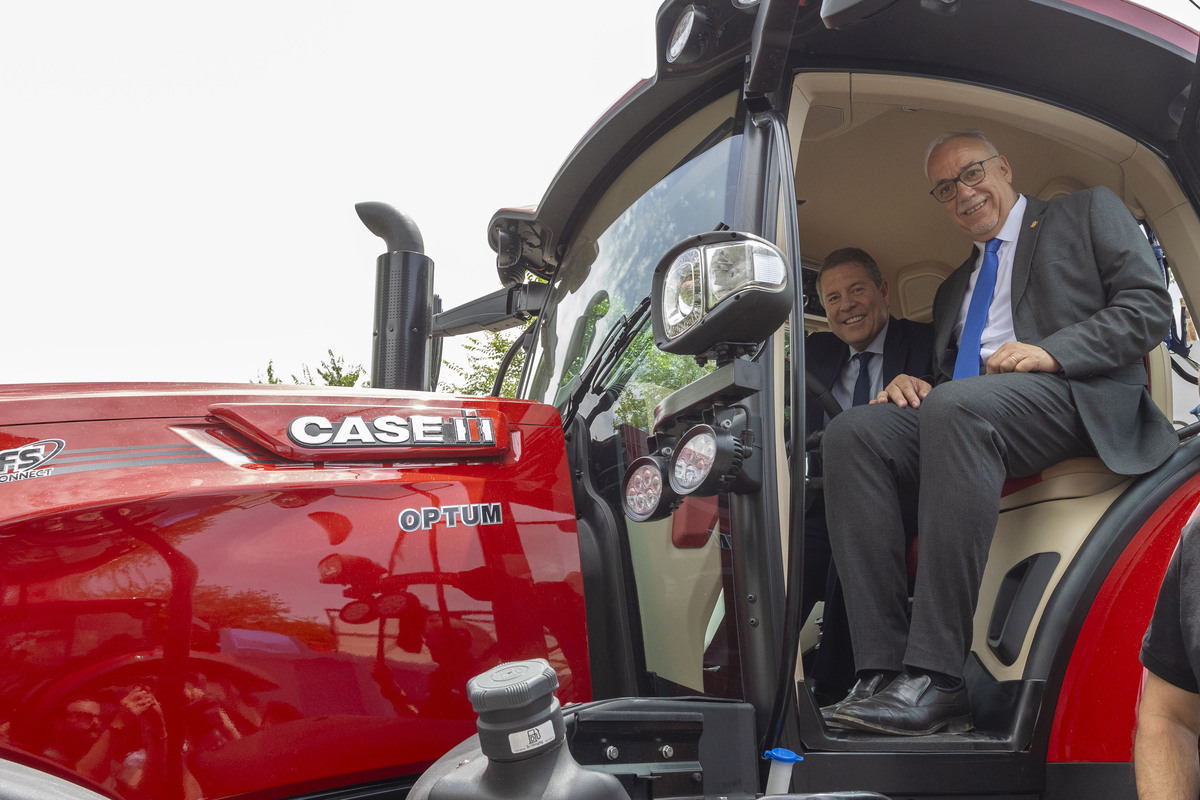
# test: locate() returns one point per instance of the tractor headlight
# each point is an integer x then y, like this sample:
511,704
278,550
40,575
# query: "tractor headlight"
683,293
349,570
719,288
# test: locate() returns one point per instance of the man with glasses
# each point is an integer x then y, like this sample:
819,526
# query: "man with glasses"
1038,345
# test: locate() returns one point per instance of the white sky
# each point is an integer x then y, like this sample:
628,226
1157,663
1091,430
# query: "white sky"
178,181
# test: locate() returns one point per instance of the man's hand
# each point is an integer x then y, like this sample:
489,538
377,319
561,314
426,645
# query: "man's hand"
904,390
138,701
1018,357
1164,754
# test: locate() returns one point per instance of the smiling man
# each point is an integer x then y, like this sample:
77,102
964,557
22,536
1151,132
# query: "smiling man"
1038,345
854,294
855,297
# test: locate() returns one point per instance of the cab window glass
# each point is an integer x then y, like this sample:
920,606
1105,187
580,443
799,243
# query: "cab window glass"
682,186
663,198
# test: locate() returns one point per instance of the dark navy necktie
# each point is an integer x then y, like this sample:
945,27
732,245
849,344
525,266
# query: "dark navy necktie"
862,386
967,363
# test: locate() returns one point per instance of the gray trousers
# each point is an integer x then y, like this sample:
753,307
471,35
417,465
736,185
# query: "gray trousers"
955,451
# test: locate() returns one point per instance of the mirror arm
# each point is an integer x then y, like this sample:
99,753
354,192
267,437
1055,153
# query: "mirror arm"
500,310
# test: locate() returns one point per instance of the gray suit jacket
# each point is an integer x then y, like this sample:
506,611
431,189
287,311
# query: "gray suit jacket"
1086,288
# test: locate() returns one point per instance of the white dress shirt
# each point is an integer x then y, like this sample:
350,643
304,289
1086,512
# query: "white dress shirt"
843,388
999,327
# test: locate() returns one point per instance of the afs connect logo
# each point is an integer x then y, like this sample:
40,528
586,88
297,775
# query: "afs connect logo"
24,462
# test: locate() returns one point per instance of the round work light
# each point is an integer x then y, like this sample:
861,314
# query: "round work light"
689,37
356,612
706,461
648,493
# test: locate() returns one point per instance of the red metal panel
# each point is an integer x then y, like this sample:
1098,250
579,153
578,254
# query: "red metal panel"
1144,19
174,620
1097,706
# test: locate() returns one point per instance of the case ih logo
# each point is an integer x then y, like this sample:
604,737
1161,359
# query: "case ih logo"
388,431
22,463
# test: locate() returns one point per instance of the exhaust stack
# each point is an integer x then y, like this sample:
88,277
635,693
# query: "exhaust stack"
402,350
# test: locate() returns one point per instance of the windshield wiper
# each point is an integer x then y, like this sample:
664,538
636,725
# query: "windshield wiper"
614,344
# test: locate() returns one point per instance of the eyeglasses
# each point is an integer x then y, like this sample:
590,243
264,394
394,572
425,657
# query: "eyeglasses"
971,175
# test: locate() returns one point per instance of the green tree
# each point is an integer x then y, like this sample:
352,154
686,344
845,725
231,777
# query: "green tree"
485,350
222,607
333,372
271,376
645,375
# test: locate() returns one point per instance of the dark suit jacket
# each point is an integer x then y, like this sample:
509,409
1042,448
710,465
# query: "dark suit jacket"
907,350
1086,288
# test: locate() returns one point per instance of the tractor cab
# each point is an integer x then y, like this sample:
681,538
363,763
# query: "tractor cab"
219,591
678,245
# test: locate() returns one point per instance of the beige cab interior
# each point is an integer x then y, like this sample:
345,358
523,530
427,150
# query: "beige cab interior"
859,142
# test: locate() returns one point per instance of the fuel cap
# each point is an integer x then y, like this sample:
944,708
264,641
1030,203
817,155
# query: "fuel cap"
512,685
519,716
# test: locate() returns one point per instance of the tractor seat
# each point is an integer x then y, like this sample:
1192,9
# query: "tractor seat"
1075,477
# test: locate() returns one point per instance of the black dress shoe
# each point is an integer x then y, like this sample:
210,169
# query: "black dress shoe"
911,705
828,697
864,688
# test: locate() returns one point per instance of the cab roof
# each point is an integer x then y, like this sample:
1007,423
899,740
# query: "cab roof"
1112,60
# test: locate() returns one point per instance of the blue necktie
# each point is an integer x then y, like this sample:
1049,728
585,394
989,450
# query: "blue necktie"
862,386
967,363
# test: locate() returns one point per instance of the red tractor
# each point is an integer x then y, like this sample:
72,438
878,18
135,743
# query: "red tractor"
260,592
